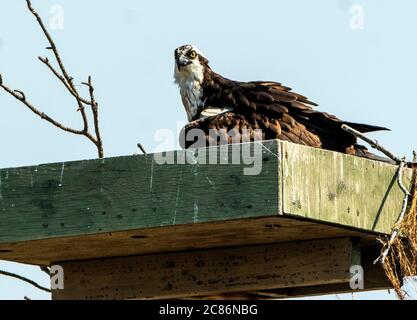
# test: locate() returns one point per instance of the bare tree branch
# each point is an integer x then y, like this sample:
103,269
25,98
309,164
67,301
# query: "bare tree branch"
62,79
31,282
68,82
68,79
94,108
373,143
45,270
21,97
51,42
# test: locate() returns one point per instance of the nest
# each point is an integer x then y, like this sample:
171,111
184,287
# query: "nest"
401,261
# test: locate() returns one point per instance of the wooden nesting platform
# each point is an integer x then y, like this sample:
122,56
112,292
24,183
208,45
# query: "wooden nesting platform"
131,227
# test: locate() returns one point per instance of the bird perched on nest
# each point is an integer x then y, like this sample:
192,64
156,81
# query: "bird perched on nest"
213,102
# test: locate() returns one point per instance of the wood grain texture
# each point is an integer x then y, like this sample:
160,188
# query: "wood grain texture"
131,205
175,238
341,189
194,273
374,279
129,193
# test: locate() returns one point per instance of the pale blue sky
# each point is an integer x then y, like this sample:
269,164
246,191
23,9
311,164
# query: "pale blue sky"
365,75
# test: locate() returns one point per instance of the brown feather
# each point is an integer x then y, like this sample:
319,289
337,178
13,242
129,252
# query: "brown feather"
274,108
243,101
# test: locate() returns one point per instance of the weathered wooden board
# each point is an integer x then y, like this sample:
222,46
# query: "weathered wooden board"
128,193
175,238
194,273
341,189
374,279
133,205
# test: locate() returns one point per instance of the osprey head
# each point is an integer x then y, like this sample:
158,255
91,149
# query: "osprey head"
190,69
189,63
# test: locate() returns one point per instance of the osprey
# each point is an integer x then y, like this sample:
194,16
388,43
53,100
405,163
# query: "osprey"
213,102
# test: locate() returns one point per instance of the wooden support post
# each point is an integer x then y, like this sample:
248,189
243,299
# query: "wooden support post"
373,276
210,272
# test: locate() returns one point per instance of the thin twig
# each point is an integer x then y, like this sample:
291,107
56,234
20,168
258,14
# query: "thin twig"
51,42
94,108
67,81
31,282
396,231
45,270
142,149
373,143
62,79
66,77
41,114
400,177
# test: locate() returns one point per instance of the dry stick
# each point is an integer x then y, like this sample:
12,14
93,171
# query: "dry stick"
373,143
16,276
21,97
396,231
94,108
67,78
142,149
52,47
68,82
62,79
69,85
45,270
51,42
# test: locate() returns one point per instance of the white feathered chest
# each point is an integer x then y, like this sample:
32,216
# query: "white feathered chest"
190,81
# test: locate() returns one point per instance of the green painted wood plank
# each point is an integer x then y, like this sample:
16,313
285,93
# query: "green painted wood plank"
337,188
130,193
126,193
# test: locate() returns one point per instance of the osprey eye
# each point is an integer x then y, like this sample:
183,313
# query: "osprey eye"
192,54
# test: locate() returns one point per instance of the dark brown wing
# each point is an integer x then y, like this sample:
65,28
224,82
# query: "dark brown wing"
231,128
279,112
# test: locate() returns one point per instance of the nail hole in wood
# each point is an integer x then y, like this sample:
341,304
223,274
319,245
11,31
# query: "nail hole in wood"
139,237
